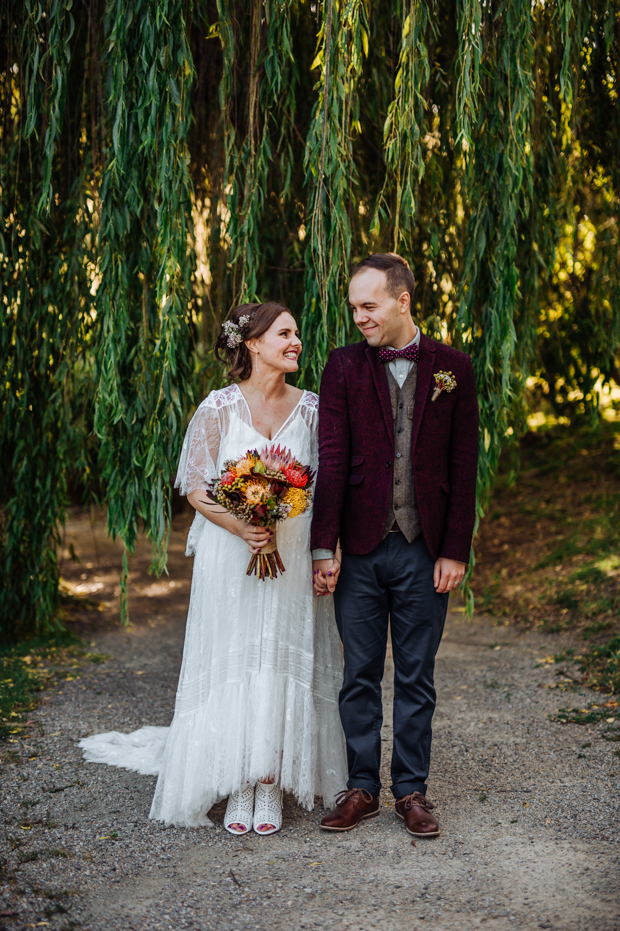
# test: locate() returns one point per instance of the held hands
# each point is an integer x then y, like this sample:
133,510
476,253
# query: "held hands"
448,574
325,574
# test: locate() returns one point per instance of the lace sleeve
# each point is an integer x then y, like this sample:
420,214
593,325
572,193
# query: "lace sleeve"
311,416
198,462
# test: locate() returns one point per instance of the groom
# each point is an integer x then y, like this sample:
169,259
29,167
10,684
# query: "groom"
396,489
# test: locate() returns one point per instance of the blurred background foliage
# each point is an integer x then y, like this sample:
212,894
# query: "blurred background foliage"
163,160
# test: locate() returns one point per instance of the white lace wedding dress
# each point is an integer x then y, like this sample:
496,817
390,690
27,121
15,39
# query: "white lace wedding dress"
262,663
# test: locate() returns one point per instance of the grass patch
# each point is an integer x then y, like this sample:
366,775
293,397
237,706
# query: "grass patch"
600,665
28,668
588,574
51,853
548,554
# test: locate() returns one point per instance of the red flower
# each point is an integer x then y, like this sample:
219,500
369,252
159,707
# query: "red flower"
297,477
227,479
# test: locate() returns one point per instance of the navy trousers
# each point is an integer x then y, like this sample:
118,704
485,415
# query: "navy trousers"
393,582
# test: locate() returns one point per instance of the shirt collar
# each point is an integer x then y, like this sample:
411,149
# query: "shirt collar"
414,342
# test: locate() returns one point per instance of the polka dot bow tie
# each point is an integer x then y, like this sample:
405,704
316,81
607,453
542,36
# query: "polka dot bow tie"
409,352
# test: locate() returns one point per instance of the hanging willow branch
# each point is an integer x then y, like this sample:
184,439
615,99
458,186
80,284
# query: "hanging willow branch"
46,300
143,294
331,176
401,138
469,27
499,186
270,103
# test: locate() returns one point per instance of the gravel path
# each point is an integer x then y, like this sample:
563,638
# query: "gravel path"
528,809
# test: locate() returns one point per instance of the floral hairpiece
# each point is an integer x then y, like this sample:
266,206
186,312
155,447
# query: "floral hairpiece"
233,331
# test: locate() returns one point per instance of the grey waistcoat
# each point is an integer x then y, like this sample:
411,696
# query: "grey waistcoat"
402,510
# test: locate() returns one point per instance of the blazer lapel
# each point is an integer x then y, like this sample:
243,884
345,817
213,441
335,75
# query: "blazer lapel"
425,372
380,380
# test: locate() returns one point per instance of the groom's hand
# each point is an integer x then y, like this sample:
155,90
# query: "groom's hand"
448,574
325,574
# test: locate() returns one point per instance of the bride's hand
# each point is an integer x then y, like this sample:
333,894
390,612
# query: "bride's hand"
325,575
255,537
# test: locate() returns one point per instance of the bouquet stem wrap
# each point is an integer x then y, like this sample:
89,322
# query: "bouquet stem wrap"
268,561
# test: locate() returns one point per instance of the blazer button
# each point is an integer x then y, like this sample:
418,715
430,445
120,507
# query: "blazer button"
389,463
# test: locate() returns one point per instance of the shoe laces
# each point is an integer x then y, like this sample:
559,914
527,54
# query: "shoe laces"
354,795
416,798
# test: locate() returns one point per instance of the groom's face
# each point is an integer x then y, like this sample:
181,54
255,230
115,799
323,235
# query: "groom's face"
382,318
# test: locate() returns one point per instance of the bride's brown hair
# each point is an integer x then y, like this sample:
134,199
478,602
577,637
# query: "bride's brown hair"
238,357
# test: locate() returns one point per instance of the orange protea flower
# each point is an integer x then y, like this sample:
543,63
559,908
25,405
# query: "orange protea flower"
296,477
244,467
297,499
255,491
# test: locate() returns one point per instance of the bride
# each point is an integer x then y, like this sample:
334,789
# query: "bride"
256,708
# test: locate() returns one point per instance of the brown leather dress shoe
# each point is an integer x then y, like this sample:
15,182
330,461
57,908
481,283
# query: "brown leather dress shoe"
352,806
414,810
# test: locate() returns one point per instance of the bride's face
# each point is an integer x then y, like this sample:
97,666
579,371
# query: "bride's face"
279,347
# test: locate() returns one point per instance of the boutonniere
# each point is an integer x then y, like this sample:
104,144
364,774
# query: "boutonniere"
444,381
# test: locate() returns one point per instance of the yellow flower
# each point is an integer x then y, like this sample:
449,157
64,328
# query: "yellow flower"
254,491
297,498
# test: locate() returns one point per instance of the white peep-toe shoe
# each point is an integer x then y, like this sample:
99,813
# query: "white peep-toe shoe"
239,810
267,807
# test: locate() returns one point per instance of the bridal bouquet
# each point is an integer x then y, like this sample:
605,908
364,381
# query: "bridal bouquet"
261,489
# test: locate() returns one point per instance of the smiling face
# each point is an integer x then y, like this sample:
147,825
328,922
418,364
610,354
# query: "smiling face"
383,319
279,347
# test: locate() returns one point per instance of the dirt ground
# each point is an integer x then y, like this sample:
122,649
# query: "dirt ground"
528,808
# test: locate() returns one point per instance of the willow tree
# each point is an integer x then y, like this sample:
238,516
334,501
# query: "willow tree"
162,160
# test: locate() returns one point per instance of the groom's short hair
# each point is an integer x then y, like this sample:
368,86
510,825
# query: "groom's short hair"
399,276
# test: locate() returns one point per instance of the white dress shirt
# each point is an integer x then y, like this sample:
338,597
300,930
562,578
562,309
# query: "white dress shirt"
399,368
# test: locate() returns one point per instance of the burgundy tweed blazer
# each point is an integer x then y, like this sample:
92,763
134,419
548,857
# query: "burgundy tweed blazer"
356,451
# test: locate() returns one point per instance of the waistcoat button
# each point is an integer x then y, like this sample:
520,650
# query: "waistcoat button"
397,507
399,455
397,481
